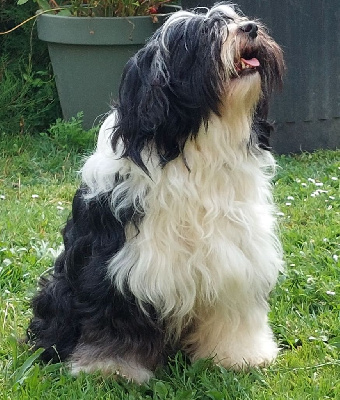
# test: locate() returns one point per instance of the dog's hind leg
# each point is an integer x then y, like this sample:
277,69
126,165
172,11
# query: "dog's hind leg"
129,347
55,325
119,338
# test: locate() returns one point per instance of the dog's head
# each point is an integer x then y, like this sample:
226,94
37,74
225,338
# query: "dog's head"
196,64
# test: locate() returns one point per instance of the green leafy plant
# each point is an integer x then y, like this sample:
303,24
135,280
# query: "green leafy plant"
70,135
28,96
100,8
27,99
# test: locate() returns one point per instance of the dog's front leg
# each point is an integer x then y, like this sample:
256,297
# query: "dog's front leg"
235,339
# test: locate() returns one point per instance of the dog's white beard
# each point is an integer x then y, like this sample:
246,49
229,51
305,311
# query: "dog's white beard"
206,254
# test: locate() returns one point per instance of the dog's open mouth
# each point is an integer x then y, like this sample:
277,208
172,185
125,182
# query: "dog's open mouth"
247,65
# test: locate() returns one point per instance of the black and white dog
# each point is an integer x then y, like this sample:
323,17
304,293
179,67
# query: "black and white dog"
172,239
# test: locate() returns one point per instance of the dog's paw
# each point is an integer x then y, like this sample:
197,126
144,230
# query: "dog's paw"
128,370
257,355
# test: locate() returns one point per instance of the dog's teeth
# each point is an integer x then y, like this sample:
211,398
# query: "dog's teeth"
245,66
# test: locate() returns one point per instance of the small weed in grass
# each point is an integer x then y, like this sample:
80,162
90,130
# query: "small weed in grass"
38,178
70,135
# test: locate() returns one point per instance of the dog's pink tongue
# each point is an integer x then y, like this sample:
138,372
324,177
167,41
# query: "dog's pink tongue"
254,62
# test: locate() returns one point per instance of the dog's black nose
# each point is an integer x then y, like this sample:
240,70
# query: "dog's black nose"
250,28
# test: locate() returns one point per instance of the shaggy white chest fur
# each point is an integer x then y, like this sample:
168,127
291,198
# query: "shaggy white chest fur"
208,233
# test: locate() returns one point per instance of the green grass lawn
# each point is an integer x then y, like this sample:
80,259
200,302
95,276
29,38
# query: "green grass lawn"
37,181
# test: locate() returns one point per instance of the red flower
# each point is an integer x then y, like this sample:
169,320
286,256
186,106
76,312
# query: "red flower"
153,10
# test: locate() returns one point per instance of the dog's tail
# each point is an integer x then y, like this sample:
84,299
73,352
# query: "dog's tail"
55,326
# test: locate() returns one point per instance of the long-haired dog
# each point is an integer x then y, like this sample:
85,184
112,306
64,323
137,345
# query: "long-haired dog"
172,239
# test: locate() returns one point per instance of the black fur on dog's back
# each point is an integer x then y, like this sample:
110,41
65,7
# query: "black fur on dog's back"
79,291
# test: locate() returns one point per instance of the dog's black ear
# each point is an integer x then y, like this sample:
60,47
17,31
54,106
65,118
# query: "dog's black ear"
262,131
169,88
143,103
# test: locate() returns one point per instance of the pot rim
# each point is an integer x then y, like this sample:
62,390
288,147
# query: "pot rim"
72,30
